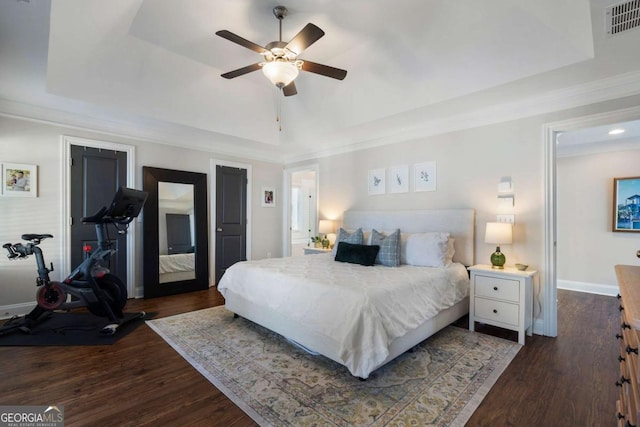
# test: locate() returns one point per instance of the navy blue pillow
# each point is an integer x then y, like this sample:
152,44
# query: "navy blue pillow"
357,254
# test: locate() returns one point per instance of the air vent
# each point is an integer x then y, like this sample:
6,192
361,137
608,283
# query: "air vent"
623,17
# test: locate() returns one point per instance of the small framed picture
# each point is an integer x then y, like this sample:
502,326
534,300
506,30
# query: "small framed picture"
268,197
399,179
19,180
424,176
626,204
376,183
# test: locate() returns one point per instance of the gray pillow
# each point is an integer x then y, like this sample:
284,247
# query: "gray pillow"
389,253
357,238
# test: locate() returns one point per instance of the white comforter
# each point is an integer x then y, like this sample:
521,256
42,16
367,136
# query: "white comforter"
362,308
177,262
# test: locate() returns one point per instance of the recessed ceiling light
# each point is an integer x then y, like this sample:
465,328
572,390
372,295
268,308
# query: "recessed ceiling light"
616,131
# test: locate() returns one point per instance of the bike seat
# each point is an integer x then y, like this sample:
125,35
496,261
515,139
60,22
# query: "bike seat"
35,237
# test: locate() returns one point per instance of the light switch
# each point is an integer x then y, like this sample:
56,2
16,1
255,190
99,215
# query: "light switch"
511,219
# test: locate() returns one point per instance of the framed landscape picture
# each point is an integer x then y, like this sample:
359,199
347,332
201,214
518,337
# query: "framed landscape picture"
19,180
626,204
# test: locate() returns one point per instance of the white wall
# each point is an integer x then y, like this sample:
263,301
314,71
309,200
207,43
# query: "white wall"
470,164
587,248
29,142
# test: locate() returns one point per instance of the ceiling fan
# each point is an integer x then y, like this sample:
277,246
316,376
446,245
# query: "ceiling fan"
281,64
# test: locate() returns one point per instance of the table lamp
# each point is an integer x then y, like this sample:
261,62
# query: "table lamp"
498,233
325,227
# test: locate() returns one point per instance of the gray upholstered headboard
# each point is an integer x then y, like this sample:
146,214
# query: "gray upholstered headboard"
459,222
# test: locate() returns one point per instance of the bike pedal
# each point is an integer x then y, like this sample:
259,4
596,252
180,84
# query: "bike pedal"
109,329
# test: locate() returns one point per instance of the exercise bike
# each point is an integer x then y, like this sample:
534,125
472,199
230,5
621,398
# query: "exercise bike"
91,284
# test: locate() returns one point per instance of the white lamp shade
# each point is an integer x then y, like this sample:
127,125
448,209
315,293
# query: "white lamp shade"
498,233
280,73
325,226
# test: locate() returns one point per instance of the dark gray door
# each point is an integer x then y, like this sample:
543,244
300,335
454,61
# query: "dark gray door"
96,175
231,218
178,234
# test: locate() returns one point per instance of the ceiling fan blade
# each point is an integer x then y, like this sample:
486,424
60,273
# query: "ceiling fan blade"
290,89
324,70
241,41
305,38
241,71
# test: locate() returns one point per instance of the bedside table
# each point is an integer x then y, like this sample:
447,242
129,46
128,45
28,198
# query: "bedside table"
312,251
503,298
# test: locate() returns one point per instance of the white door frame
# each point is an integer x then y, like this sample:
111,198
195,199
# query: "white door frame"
286,202
65,206
212,215
551,132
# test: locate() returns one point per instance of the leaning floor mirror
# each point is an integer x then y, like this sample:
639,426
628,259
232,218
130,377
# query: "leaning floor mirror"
175,244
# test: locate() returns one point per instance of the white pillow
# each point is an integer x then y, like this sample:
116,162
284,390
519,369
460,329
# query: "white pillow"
427,249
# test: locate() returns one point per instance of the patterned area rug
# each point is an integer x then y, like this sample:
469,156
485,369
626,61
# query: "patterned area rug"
439,383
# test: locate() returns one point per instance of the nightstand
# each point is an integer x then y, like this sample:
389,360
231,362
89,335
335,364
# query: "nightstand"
503,298
312,251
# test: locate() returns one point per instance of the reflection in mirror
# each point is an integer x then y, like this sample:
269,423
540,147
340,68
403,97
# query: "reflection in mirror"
175,227
176,232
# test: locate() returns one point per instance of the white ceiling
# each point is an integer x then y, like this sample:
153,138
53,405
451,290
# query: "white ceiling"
151,68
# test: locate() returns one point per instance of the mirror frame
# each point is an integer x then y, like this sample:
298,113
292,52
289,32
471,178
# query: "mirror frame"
151,247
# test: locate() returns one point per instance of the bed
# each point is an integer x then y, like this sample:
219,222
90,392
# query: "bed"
177,267
361,317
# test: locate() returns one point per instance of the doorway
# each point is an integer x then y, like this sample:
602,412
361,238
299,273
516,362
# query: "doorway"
96,175
129,181
301,216
231,218
240,206
551,132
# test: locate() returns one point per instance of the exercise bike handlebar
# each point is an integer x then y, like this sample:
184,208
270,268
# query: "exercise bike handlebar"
125,207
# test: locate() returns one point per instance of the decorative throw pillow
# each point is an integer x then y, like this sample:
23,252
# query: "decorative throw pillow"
389,253
355,237
357,254
428,249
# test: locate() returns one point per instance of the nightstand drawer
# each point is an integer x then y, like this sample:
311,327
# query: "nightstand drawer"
496,287
497,311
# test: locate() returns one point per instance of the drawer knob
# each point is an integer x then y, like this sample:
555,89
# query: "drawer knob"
495,288
623,380
630,350
618,296
620,416
625,325
495,311
620,308
618,336
621,359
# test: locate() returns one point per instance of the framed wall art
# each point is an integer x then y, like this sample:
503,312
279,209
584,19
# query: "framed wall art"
268,197
376,183
626,204
424,176
399,179
19,180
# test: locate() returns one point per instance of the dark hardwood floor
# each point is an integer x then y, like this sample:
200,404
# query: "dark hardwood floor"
140,380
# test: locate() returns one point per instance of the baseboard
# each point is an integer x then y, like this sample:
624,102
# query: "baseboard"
7,311
590,288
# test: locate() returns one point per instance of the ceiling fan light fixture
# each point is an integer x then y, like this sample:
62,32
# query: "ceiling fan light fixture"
280,73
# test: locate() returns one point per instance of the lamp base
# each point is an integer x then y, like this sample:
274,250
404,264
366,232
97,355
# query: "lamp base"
497,259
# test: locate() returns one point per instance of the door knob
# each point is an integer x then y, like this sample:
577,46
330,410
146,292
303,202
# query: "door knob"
218,229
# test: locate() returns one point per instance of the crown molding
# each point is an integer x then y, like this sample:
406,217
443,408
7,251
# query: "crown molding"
607,89
147,131
154,131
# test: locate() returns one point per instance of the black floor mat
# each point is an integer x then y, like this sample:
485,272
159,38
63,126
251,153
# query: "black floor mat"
68,328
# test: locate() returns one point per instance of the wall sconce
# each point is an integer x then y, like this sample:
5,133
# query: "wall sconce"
498,233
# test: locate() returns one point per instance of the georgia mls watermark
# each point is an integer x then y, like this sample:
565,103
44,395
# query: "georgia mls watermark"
32,416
